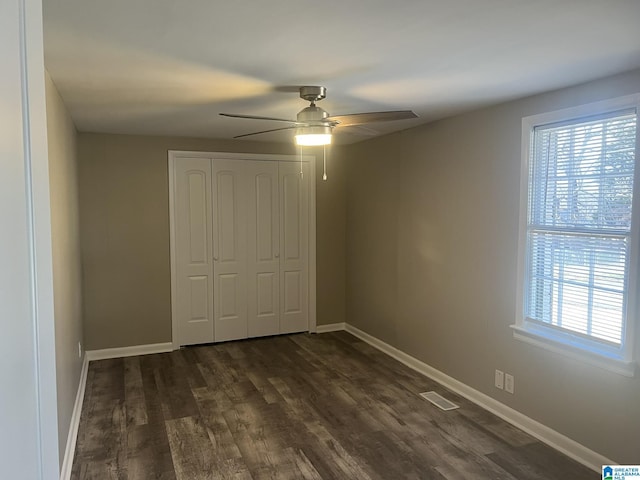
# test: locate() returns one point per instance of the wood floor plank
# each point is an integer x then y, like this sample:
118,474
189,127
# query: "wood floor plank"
108,379
211,404
460,432
148,453
292,407
135,404
152,398
183,361
424,460
102,432
175,394
192,452
190,449
97,470
264,387
491,423
304,466
533,461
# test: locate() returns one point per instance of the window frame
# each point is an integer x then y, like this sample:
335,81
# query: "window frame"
616,359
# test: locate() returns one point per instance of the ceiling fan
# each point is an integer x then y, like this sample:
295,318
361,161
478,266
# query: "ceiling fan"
314,126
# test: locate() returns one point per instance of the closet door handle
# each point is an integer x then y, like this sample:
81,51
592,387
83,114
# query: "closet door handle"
277,255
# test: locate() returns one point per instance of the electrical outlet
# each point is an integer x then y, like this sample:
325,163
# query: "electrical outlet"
508,383
79,350
499,379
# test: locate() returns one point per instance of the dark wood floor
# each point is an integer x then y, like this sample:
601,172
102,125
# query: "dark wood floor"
292,407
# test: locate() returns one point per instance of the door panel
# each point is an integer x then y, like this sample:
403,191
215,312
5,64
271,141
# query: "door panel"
265,206
267,288
227,297
230,249
193,250
198,209
291,215
292,294
228,196
263,248
294,265
199,289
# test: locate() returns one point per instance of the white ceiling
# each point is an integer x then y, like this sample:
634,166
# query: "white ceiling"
168,67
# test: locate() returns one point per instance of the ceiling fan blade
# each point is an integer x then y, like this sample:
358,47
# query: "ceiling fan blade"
369,117
264,131
356,130
255,117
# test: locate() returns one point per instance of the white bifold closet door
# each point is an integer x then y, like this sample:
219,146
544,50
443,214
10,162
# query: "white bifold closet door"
294,242
242,249
263,249
230,205
193,250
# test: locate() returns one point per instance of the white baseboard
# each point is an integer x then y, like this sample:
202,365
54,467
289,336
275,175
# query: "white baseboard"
74,424
556,440
331,327
129,351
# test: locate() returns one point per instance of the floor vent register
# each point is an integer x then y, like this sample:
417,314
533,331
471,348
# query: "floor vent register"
439,401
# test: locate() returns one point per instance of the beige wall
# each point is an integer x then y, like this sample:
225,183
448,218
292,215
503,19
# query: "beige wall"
331,212
125,236
63,185
432,237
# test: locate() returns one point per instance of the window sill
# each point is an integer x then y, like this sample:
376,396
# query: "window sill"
615,365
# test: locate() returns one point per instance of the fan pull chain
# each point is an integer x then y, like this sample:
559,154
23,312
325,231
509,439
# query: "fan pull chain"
301,174
324,162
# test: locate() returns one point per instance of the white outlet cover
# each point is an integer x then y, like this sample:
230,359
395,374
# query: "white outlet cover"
499,380
509,383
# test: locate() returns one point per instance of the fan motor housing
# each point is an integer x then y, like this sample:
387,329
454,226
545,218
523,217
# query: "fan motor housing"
312,114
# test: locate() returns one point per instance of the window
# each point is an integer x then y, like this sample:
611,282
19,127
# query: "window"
579,233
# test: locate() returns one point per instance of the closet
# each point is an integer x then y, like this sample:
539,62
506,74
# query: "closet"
242,244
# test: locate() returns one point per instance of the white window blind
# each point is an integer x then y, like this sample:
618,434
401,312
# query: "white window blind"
578,232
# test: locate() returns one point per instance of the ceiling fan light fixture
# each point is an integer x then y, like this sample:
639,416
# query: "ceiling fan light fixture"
313,136
313,139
